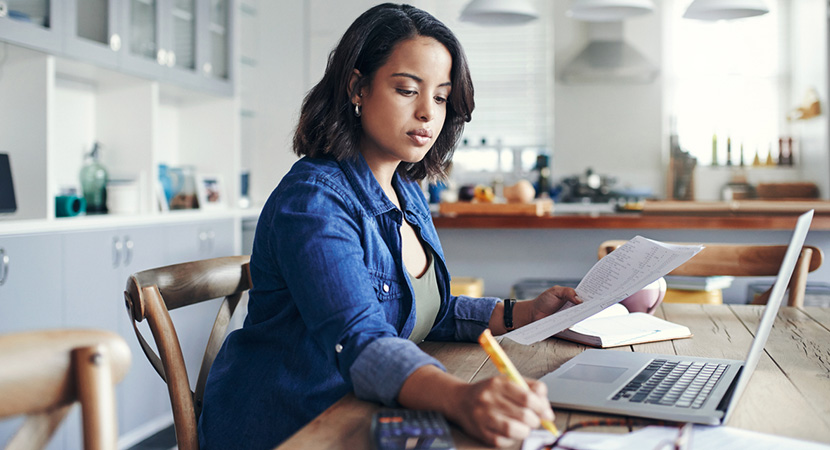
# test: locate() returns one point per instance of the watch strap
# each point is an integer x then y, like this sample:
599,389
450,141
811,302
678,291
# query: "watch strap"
508,312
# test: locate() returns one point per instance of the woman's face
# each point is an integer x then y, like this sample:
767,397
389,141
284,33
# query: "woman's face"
404,107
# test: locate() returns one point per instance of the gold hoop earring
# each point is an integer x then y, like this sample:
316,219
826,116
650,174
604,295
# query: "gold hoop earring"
357,109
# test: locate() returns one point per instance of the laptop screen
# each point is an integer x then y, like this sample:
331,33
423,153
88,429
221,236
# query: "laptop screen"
7,201
773,304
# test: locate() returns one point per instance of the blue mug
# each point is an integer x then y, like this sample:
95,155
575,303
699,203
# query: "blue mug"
69,205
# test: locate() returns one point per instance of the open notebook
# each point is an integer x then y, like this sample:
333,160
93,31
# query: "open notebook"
615,326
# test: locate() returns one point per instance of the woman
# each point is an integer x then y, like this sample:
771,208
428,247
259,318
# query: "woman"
347,269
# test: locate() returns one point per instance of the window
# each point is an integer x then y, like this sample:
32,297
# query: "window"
511,68
727,79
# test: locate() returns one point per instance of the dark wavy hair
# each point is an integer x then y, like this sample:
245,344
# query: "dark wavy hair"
328,126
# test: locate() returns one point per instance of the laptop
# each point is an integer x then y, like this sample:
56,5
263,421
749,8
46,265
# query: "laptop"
669,387
7,200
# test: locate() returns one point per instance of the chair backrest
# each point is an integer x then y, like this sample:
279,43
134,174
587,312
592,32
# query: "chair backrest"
152,293
43,373
744,260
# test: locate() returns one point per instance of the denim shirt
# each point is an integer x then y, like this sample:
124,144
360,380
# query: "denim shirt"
331,307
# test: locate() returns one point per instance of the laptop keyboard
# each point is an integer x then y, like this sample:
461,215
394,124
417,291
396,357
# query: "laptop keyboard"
683,384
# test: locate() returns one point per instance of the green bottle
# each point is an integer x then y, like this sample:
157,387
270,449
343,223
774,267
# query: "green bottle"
94,182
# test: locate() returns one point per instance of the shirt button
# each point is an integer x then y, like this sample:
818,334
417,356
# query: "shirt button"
338,348
385,287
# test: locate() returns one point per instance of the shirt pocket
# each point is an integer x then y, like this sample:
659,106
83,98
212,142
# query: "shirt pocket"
386,287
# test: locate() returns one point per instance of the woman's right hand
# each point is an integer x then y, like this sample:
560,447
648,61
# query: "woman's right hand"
499,412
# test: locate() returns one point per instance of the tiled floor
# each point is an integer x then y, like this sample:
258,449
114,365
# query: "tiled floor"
163,440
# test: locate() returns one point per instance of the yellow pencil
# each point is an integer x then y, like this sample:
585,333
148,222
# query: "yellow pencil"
505,366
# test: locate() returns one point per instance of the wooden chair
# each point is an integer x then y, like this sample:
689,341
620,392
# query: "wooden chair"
745,260
43,373
152,293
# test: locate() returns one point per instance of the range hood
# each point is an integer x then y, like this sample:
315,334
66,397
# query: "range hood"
608,59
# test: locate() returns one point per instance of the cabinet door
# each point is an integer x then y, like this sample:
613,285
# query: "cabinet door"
30,296
191,242
92,31
31,23
179,37
30,273
143,52
216,51
97,264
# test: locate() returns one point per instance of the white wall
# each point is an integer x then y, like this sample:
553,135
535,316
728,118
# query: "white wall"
279,90
614,128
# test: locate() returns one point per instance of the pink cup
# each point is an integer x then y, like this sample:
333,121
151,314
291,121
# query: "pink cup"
646,299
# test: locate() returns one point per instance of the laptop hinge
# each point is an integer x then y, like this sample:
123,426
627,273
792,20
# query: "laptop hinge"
724,401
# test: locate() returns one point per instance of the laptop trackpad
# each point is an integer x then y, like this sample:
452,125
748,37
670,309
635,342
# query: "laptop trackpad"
590,372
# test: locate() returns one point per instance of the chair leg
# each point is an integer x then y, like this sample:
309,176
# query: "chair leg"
97,396
38,429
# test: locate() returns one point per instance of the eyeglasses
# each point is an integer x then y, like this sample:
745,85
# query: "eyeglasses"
681,441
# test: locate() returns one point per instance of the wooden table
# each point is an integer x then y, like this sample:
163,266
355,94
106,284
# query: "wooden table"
789,393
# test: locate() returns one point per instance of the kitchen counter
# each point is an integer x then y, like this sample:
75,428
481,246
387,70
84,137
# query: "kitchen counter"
739,215
504,249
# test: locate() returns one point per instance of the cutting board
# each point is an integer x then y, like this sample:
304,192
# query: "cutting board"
539,207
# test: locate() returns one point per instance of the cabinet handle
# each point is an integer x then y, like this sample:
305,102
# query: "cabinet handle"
117,246
203,241
161,57
4,9
115,42
128,253
171,58
4,260
207,68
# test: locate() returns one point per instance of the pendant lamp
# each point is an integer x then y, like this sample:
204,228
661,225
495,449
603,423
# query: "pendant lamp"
725,9
608,10
499,12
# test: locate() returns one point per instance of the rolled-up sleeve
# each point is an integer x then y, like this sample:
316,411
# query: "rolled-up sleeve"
382,367
472,316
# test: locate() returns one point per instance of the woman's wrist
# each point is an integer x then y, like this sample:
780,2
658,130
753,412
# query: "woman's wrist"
523,314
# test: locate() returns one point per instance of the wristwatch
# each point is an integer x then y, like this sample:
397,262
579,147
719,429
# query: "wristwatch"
508,312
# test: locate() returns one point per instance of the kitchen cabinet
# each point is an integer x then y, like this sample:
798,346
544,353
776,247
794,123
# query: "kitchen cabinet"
186,42
30,297
31,23
76,279
151,80
91,31
190,242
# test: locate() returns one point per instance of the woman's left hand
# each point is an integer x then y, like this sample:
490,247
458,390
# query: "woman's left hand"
552,300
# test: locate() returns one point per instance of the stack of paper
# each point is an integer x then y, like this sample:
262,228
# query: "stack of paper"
702,437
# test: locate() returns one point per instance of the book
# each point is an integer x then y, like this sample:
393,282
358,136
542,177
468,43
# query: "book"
615,326
698,283
626,270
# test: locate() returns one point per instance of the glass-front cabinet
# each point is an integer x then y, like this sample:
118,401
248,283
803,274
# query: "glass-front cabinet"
217,65
183,41
186,42
31,23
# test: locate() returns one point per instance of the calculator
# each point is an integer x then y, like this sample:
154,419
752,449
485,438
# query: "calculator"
405,429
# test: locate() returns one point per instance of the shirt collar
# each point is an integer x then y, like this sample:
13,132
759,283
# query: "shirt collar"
366,186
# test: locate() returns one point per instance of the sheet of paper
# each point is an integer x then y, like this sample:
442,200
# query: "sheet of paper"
702,437
621,273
